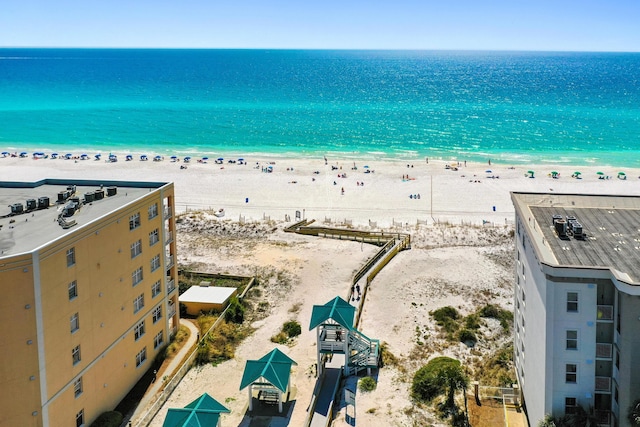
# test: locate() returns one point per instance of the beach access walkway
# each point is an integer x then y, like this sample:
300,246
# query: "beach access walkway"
362,352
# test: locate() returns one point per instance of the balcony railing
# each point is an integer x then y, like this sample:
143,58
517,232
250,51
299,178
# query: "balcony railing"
168,261
603,384
168,237
166,212
604,351
171,285
603,418
172,310
605,312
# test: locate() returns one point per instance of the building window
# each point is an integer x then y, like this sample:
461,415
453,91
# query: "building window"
136,276
154,237
75,323
157,313
138,303
80,418
156,289
136,249
570,405
572,340
75,354
153,211
73,290
71,257
138,330
572,302
158,340
77,387
141,357
134,221
571,373
155,263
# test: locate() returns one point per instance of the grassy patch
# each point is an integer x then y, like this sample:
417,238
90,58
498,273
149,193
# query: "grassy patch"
290,330
367,384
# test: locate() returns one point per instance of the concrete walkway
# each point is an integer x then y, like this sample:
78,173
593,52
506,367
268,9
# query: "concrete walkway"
167,369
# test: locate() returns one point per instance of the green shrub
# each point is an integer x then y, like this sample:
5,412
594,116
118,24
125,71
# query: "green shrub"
444,314
433,378
467,336
292,328
493,311
108,419
235,311
472,321
367,384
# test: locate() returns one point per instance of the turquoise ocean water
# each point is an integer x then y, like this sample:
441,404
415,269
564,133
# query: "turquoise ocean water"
510,107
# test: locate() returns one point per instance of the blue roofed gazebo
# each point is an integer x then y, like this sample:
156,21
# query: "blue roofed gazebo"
270,375
204,411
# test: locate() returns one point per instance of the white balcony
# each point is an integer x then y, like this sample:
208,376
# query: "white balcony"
171,285
166,212
168,261
605,313
604,351
168,237
603,384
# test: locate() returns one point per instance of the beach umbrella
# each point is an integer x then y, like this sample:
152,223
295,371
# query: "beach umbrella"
489,171
621,174
577,173
205,158
97,156
599,173
366,166
186,159
531,172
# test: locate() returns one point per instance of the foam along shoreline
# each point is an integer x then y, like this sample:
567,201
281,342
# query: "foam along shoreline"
387,193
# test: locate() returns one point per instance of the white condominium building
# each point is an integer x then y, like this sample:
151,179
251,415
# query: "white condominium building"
577,304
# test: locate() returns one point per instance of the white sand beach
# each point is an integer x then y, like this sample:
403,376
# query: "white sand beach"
473,193
470,236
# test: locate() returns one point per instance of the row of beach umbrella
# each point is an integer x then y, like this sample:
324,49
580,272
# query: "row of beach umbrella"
112,157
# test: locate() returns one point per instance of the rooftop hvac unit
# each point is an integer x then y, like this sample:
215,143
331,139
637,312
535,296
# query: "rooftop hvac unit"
89,196
71,188
69,209
17,208
571,218
31,204
561,228
62,196
577,230
554,218
76,200
112,191
43,202
99,194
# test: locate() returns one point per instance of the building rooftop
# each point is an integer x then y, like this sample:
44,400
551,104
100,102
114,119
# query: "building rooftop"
39,223
610,230
207,294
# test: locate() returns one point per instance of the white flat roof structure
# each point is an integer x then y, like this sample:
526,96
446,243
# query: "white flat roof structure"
207,294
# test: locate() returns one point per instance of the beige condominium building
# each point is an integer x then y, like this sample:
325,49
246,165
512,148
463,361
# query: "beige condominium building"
577,304
88,278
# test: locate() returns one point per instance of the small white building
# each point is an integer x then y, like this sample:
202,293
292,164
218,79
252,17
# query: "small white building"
205,298
577,304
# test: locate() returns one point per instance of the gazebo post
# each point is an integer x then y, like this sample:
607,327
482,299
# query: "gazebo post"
319,355
279,401
250,398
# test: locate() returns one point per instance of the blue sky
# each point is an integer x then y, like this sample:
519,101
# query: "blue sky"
586,25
